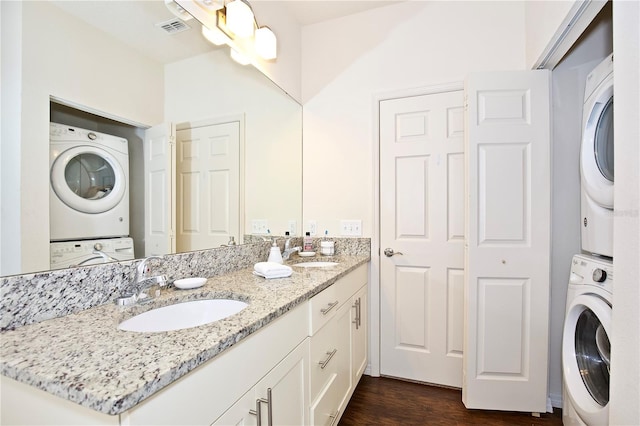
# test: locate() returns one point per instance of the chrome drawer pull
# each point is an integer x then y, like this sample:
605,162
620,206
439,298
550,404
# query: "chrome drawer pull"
334,417
357,321
326,310
324,363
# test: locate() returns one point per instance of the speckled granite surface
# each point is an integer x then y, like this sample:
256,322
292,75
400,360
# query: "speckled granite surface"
30,298
84,358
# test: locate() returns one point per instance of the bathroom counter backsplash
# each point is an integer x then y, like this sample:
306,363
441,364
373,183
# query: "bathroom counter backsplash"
30,298
84,358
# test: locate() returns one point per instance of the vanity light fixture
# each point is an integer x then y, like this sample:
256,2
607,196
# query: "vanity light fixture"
266,45
240,19
215,36
219,28
239,57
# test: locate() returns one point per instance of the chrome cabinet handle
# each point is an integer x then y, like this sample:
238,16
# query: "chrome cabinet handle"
324,362
334,417
389,252
258,411
357,320
326,310
269,408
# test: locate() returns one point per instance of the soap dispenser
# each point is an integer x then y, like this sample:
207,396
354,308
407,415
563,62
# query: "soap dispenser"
274,253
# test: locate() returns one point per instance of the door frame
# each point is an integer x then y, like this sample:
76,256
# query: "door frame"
373,368
223,120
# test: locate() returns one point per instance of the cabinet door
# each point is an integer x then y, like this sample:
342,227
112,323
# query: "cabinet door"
285,390
343,385
359,314
240,412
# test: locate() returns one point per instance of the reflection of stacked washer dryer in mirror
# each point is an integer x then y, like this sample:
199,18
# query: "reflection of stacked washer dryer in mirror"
585,342
89,186
596,161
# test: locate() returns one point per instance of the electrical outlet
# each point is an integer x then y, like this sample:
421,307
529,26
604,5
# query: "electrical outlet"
312,227
351,228
259,226
292,227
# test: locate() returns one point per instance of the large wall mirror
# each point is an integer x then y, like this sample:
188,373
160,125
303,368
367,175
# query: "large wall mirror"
108,67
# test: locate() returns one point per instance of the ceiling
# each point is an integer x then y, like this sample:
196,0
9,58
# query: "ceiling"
134,22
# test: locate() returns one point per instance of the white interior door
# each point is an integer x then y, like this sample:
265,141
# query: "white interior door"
508,231
159,190
422,220
208,185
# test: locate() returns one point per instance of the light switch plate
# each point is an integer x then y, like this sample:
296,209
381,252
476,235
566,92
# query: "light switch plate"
352,228
312,227
259,226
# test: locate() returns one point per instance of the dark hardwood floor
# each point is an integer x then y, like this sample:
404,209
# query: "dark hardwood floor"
385,401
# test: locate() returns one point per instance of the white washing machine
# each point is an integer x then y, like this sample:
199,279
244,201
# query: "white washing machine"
90,252
585,342
596,161
89,184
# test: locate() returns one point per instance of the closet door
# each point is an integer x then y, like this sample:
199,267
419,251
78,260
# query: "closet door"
159,190
508,241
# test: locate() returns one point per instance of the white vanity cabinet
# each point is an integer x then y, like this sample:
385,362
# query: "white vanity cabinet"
281,397
276,357
300,369
338,345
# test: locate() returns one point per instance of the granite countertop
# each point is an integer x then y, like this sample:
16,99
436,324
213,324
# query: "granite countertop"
84,358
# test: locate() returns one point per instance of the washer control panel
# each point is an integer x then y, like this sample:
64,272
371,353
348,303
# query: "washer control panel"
591,270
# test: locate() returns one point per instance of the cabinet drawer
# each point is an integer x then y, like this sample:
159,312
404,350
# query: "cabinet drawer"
322,307
347,286
324,357
324,410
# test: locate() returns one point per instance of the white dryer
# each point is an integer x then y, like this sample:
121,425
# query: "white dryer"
596,161
585,342
89,184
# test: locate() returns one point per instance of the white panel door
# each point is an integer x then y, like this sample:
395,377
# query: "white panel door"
208,186
422,220
159,190
508,229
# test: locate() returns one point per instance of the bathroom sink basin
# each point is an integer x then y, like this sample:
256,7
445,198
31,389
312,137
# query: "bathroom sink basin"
182,315
315,264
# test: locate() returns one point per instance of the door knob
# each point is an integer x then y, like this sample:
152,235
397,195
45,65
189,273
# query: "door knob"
389,252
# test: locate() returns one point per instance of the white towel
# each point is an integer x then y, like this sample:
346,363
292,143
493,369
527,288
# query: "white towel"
271,270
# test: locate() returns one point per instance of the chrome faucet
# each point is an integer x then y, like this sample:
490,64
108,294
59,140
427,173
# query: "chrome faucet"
288,250
147,287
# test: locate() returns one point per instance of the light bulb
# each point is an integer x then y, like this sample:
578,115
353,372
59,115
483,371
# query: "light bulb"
266,45
239,57
215,36
240,18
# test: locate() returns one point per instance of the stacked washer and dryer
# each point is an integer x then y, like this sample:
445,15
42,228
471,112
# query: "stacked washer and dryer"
88,197
587,327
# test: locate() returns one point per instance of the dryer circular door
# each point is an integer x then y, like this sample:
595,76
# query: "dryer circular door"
596,158
585,357
88,179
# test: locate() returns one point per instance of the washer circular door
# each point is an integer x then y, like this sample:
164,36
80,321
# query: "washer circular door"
585,357
596,157
88,179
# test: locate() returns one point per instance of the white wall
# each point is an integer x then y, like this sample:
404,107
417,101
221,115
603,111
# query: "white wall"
80,65
568,80
285,70
347,62
210,86
543,20
625,344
